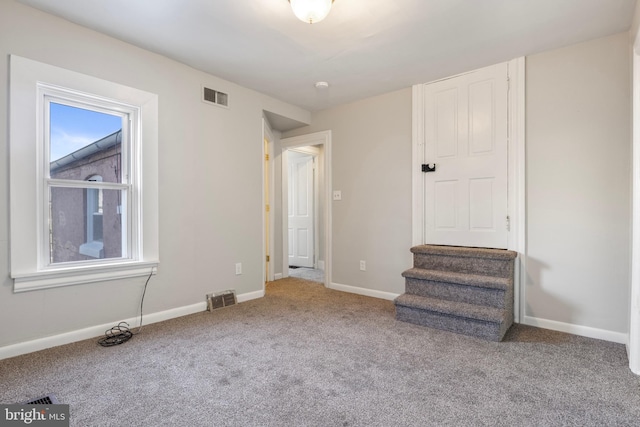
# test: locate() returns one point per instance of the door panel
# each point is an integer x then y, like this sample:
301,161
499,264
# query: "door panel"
466,137
481,136
446,131
481,204
445,204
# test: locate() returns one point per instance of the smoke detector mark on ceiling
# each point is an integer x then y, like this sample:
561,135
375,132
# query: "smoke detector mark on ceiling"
211,96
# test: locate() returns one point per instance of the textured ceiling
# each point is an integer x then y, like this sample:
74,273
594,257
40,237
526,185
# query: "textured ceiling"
363,48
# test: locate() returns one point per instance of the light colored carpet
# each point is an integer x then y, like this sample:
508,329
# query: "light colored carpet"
312,274
307,356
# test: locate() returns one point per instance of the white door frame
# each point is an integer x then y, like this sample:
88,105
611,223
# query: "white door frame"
319,138
515,175
268,135
633,346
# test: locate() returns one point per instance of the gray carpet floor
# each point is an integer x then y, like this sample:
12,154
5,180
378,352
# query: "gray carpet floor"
308,356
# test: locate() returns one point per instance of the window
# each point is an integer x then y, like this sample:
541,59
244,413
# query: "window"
85,222
89,144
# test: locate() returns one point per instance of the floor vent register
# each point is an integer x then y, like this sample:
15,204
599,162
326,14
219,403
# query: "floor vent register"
221,300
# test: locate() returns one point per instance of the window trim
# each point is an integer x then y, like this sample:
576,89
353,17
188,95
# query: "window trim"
28,184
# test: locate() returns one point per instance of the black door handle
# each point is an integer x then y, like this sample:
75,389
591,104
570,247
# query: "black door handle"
428,167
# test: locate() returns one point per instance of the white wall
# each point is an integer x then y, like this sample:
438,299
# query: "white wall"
578,185
578,190
371,164
210,181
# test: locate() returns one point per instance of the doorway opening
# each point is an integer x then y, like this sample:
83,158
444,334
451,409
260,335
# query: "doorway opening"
306,213
303,229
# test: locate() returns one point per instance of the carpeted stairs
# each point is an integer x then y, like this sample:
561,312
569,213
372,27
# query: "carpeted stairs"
464,290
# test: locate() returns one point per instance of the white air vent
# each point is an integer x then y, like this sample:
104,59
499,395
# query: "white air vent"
221,299
216,97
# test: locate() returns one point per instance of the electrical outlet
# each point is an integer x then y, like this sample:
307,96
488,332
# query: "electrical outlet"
337,195
238,268
363,265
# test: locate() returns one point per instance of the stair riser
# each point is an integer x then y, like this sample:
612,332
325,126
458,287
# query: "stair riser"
452,292
485,267
486,330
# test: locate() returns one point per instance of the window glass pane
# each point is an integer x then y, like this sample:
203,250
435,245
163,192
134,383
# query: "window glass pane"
83,143
86,224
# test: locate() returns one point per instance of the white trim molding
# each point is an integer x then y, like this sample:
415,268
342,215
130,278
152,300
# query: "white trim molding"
417,153
267,136
517,176
364,291
569,328
44,280
633,340
249,296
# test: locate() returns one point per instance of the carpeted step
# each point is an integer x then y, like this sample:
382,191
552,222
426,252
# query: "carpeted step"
478,261
475,280
470,319
466,288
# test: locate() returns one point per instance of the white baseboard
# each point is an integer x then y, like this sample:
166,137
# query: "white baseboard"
584,331
321,265
250,295
277,276
364,291
98,330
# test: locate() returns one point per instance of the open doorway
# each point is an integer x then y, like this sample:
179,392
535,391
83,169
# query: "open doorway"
302,212
306,221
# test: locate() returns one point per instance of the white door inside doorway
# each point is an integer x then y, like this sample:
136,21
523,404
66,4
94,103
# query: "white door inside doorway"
465,136
301,209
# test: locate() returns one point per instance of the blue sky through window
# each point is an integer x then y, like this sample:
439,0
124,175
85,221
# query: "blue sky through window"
73,128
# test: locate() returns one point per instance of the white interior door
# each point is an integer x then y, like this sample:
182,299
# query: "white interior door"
300,215
466,138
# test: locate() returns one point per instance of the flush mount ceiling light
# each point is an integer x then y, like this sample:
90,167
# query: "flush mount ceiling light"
311,11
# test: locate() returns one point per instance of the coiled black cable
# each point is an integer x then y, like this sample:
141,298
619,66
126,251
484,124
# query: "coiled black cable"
121,333
117,335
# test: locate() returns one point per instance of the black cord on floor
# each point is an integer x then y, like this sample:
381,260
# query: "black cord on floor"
117,335
121,333
142,300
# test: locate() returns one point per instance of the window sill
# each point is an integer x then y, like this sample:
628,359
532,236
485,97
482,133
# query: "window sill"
79,275
93,249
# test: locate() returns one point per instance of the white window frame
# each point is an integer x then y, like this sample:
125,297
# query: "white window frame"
130,117
32,84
